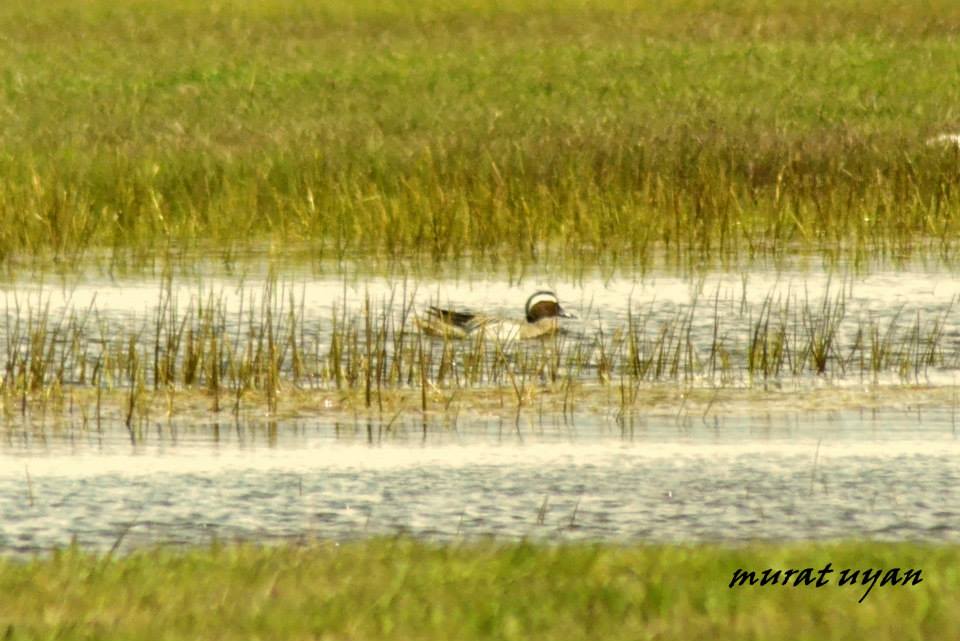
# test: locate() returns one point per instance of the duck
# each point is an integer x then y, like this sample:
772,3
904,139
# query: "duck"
543,313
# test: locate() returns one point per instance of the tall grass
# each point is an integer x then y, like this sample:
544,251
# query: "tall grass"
263,348
551,132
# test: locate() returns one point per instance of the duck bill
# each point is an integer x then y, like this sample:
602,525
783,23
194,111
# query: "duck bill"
565,314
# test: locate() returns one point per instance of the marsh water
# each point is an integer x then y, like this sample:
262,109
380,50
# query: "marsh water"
597,473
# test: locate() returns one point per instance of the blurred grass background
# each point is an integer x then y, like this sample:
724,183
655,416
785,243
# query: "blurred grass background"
528,131
401,589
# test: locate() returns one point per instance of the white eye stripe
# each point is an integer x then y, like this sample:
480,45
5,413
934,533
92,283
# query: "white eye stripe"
543,297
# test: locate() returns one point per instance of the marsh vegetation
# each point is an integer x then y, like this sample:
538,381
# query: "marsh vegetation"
566,141
258,346
556,133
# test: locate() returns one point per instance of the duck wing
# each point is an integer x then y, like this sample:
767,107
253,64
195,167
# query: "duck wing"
451,317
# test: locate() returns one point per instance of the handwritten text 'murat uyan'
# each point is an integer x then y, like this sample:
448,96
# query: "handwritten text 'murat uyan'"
818,578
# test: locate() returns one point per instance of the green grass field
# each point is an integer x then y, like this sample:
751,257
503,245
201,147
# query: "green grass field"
398,589
510,132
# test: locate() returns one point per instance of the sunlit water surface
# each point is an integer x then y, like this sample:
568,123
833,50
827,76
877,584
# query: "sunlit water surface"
892,474
887,475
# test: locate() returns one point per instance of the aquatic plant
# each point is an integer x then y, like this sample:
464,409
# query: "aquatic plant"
262,349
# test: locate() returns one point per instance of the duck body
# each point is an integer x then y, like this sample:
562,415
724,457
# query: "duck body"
543,314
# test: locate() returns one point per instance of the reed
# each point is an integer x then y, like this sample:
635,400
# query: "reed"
567,134
262,350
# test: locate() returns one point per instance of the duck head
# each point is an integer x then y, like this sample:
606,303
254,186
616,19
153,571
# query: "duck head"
544,304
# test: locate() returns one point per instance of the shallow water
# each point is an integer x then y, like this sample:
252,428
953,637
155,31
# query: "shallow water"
906,313
891,475
594,297
885,474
